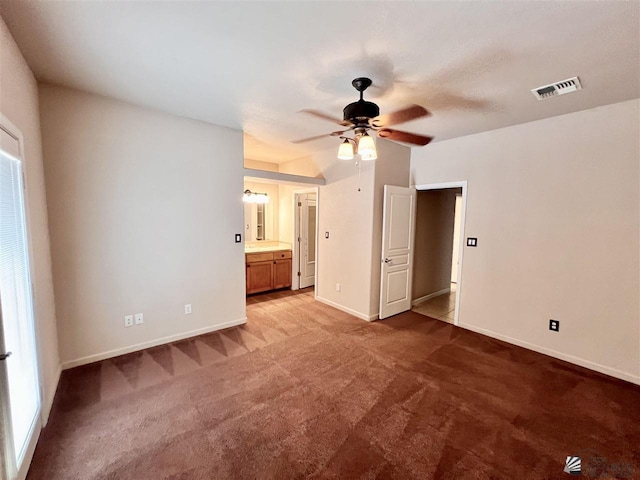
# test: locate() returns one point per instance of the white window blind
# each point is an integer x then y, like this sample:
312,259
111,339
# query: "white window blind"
16,304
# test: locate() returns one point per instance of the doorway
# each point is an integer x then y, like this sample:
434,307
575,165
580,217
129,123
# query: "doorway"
306,234
438,250
280,238
20,401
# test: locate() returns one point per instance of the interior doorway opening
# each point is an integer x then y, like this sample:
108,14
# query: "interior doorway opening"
437,262
280,238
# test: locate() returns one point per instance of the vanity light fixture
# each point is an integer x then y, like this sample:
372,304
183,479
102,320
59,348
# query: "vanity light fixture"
254,197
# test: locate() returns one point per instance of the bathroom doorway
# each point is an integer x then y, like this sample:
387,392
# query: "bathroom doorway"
438,250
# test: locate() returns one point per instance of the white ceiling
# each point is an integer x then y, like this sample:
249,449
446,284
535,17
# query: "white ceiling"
253,66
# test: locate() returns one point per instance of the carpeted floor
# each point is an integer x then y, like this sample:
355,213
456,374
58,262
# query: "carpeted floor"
306,391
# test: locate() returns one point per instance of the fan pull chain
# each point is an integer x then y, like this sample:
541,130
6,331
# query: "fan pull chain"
359,172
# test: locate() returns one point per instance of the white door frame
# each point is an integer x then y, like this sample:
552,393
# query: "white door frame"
440,186
295,283
43,412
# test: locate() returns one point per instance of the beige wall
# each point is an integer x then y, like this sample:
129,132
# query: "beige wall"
555,205
19,104
143,208
287,213
435,215
304,166
347,214
260,165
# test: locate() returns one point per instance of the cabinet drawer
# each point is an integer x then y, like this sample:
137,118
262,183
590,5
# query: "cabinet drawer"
259,257
282,254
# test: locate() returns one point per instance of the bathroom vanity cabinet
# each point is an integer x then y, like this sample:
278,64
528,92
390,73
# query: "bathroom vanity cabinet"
268,270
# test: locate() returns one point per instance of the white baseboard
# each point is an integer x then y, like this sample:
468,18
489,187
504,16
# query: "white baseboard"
153,343
47,402
424,298
553,353
368,318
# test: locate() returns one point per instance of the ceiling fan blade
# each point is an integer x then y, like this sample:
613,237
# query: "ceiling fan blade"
405,137
324,116
317,137
401,116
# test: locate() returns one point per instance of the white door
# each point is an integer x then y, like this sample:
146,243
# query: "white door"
398,228
307,212
19,383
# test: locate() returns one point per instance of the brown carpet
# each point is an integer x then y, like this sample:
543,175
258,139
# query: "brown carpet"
306,391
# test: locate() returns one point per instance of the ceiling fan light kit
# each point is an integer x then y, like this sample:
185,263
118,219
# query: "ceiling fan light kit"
362,116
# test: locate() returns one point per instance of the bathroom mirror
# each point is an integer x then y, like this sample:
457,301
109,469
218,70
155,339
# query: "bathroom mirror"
257,222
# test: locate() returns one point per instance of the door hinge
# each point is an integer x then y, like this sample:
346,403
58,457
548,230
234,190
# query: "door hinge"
299,239
299,204
299,274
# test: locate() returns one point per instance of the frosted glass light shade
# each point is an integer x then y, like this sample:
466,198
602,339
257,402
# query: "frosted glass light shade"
367,148
345,152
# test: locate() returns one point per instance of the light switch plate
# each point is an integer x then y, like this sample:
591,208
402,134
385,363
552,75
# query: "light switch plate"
326,234
554,325
238,238
139,318
187,309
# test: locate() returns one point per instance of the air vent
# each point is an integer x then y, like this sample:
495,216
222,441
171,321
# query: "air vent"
558,88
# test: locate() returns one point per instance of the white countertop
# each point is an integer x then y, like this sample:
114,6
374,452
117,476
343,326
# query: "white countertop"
266,247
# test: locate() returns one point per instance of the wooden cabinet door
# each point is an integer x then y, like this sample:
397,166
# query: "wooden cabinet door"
259,276
282,273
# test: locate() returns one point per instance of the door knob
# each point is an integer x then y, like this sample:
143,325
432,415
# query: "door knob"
387,260
4,356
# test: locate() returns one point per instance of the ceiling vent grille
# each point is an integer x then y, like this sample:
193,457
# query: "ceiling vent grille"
558,88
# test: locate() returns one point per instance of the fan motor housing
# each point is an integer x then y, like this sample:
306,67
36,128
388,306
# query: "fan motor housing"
360,110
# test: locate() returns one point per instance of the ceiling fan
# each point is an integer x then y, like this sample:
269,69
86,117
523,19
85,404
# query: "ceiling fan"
362,116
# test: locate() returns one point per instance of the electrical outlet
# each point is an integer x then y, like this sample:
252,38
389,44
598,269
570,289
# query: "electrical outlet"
187,309
554,325
139,318
338,287
128,320
472,242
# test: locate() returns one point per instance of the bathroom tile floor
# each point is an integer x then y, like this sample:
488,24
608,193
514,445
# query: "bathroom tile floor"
442,307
